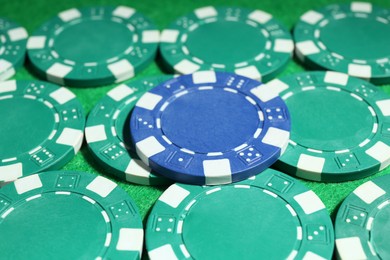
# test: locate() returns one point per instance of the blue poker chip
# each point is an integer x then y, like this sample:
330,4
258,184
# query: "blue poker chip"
210,128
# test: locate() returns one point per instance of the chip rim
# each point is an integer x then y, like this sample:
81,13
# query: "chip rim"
177,200
323,172
114,70
115,102
154,148
64,143
253,68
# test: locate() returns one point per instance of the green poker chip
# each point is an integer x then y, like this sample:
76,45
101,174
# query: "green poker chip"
269,216
107,133
324,40
93,46
42,127
363,222
68,215
244,41
340,126
13,39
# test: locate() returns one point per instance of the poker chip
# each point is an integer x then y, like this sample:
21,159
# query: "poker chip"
340,126
108,135
351,38
363,222
93,46
42,127
13,38
245,41
218,222
69,215
210,128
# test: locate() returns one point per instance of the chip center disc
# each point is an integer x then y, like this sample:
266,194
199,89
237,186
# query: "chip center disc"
206,121
357,38
380,230
328,120
87,41
60,225
25,124
249,226
223,42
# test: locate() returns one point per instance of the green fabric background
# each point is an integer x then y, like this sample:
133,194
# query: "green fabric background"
32,14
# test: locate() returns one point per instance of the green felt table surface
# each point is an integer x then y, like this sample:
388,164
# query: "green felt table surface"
31,14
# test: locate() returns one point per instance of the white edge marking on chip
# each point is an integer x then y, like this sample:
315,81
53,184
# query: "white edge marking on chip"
36,42
121,69
6,69
11,172
380,152
307,48
120,92
163,252
312,17
69,15
200,77
292,255
8,86
28,183
174,195
310,167
186,67
350,248
148,147
169,36
62,95
250,72
95,133
264,92
130,239
205,12
260,16
362,7
384,106
284,45
361,71
312,256
369,192
17,34
184,250
57,72
149,101
101,186
309,202
123,12
336,78
277,137
138,172
71,137
9,72
151,36
277,85
217,171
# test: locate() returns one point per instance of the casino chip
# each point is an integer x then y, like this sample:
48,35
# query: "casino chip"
363,222
13,40
269,216
93,46
210,128
352,38
68,215
340,126
245,41
108,135
41,129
